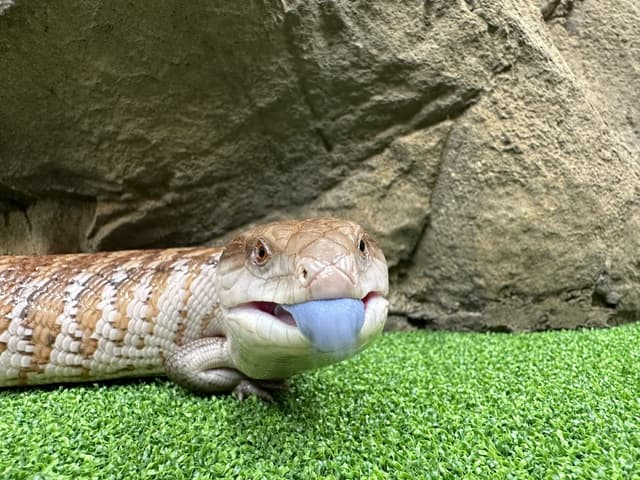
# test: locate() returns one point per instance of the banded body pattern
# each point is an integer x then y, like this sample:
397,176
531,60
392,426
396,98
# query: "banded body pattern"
105,315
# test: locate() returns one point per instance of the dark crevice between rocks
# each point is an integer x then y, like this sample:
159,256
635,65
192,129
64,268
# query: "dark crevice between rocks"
28,221
552,9
599,299
442,109
610,301
440,163
433,323
13,201
471,3
326,143
400,269
422,322
475,7
623,316
498,329
399,322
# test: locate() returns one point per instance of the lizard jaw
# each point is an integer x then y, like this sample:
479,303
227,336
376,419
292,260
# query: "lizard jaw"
265,346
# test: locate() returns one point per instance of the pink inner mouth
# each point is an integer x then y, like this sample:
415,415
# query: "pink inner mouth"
281,314
274,309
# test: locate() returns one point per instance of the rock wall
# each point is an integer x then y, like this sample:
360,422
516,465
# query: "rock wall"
492,146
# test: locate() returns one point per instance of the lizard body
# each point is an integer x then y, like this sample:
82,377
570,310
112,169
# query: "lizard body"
212,319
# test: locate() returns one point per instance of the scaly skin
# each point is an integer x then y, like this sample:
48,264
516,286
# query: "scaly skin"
194,314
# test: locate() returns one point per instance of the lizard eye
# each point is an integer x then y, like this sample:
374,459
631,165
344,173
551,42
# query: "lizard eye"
362,246
260,253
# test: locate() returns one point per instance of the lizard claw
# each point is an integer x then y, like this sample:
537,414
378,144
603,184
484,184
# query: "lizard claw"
278,385
246,388
259,388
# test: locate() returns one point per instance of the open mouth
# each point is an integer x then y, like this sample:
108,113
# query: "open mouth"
280,312
330,325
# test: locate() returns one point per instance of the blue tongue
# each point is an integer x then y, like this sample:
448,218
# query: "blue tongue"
330,325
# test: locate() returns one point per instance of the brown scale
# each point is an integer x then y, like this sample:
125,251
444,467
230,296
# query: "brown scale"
5,321
182,327
161,272
132,264
194,270
45,305
87,318
43,327
161,278
122,300
65,271
44,309
136,269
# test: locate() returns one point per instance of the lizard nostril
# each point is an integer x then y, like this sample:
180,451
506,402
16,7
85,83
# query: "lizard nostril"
304,273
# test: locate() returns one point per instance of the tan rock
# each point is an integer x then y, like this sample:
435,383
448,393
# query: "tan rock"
491,145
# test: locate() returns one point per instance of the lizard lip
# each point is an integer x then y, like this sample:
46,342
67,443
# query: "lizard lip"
275,309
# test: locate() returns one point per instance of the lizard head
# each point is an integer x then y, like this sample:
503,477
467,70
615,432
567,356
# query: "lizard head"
301,294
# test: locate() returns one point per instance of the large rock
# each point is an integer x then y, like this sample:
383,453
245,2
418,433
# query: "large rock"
492,146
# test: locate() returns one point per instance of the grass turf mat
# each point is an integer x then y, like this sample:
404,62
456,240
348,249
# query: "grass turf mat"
415,405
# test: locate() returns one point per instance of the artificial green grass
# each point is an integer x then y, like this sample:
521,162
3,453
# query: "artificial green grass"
415,405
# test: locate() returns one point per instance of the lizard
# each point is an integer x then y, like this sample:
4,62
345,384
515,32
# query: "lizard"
278,299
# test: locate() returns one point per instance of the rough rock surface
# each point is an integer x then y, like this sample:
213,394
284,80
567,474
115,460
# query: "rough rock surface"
491,145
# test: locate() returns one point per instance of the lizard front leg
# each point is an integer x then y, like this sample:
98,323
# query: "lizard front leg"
203,366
